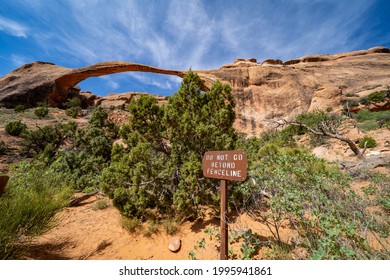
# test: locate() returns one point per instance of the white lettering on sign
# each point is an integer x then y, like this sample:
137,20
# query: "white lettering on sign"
209,157
217,164
237,157
224,172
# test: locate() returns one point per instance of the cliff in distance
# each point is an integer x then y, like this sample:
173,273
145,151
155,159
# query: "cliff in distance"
264,92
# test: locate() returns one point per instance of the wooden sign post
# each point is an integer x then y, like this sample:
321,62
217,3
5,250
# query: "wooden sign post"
225,165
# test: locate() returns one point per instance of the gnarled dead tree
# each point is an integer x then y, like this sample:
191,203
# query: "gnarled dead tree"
327,129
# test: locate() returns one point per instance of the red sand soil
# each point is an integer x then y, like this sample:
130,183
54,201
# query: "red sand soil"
85,232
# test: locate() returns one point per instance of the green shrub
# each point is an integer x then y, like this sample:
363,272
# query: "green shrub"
41,112
101,204
86,153
367,142
364,100
33,195
15,128
377,96
382,118
73,112
365,115
170,226
368,125
73,107
130,224
311,119
314,197
46,141
380,189
19,108
151,228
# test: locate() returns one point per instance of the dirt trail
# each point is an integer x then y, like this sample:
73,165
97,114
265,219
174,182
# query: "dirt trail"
85,232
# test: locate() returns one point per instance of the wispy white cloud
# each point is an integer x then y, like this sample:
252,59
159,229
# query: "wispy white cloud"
289,29
12,27
18,60
169,83
110,82
200,34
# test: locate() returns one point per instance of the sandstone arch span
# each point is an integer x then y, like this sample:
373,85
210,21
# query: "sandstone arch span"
66,82
44,81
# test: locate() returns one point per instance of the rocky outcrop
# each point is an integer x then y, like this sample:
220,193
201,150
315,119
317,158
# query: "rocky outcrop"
271,90
122,99
29,84
264,92
42,81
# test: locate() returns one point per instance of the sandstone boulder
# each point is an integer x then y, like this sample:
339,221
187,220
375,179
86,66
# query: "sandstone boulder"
122,99
314,58
251,60
174,244
272,62
239,60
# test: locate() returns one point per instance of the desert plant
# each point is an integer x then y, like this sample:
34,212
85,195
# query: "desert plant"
15,128
384,119
80,153
32,196
101,204
377,96
151,228
19,108
170,226
367,142
314,197
47,140
368,125
73,107
130,224
373,120
41,112
162,168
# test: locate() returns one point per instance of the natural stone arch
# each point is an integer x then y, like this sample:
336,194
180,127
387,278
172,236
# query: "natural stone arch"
65,83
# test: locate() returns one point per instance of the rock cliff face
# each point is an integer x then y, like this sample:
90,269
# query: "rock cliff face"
271,90
264,92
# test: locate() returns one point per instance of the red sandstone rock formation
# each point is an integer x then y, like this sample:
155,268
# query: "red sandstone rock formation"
270,91
39,81
263,92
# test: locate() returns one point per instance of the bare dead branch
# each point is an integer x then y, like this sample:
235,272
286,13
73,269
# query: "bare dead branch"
75,201
328,131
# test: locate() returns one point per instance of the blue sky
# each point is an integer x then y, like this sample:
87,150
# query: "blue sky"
179,34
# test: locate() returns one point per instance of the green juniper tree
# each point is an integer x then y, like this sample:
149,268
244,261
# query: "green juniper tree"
162,168
197,122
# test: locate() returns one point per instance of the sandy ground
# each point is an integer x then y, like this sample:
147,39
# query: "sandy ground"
84,232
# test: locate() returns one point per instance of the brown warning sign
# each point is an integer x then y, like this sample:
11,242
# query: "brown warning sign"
225,165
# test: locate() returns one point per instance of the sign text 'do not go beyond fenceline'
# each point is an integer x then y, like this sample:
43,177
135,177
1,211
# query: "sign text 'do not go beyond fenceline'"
225,165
